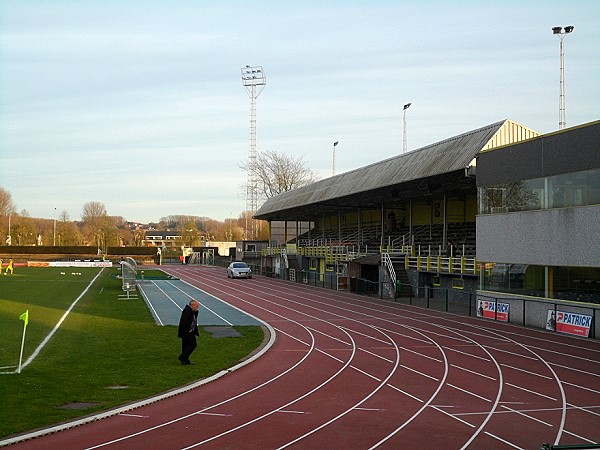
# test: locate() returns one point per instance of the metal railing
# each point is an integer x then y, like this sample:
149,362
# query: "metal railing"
443,264
387,262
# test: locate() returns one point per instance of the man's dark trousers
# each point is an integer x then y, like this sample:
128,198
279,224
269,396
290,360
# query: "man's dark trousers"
188,345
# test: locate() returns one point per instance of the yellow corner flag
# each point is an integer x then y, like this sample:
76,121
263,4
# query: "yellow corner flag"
25,318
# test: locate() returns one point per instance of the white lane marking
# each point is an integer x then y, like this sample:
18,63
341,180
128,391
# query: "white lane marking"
531,392
539,375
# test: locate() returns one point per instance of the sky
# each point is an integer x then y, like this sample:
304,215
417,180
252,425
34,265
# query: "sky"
139,105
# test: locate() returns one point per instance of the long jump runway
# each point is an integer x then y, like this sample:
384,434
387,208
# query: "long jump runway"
353,372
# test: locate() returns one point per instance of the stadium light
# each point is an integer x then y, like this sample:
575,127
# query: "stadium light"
334,145
8,238
561,33
254,80
404,144
54,240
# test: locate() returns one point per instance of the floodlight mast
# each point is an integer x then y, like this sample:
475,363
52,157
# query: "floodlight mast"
254,80
404,141
561,33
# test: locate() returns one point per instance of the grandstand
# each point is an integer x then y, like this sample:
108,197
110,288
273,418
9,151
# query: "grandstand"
417,218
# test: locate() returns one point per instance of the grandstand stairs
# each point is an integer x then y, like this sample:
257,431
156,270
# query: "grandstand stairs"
402,276
294,264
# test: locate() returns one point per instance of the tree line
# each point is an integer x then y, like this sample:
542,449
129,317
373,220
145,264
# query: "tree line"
98,228
275,173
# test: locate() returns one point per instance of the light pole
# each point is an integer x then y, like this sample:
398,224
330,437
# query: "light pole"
561,33
8,238
405,146
254,80
54,238
334,145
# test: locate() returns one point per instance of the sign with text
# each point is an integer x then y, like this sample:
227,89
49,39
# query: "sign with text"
487,309
69,264
569,323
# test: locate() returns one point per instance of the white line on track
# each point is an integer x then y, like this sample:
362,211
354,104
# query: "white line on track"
446,368
466,353
530,417
558,383
585,372
149,303
180,418
399,428
503,441
532,392
202,305
539,375
581,387
488,336
473,372
453,416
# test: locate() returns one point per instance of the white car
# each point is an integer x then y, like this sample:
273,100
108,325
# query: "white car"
239,269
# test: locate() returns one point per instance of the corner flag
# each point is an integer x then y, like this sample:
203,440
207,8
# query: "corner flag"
25,318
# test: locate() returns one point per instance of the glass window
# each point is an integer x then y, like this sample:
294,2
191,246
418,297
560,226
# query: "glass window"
580,284
559,191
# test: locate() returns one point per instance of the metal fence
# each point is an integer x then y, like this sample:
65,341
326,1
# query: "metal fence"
524,311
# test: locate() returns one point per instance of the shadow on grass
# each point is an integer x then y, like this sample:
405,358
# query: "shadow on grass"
104,342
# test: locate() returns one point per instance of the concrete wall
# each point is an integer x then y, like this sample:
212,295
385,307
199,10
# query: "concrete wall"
555,237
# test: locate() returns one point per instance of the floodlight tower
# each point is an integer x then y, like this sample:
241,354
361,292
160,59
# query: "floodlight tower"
254,80
561,33
404,143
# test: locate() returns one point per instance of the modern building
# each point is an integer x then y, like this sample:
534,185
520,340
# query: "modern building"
538,227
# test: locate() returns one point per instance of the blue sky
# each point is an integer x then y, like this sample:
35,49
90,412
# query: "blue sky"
140,105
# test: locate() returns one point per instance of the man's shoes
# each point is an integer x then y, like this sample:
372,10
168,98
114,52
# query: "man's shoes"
181,360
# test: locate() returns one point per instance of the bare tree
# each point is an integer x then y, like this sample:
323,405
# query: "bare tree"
100,229
278,172
6,204
92,211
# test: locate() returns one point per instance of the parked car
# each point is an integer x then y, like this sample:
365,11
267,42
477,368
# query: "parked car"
239,269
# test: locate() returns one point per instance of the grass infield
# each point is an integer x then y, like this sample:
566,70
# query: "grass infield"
108,351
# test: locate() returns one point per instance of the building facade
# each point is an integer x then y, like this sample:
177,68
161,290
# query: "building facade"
538,226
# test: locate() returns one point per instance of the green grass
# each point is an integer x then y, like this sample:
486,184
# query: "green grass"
103,342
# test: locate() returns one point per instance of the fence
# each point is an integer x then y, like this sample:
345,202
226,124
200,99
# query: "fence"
524,311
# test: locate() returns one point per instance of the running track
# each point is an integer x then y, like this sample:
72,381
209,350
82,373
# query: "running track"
348,371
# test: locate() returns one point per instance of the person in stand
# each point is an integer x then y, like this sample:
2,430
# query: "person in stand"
450,248
188,330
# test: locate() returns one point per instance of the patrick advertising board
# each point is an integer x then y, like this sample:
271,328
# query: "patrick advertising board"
569,323
487,309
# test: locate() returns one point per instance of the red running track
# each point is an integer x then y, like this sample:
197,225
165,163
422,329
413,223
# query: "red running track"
348,371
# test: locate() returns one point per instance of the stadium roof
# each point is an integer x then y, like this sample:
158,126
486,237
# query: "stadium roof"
418,172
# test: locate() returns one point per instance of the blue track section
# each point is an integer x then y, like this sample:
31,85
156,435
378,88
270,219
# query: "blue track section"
167,298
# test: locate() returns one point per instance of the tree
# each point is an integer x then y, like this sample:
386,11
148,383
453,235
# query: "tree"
98,227
277,173
7,209
67,232
189,233
6,204
23,230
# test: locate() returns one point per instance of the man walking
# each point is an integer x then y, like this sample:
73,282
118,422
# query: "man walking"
188,330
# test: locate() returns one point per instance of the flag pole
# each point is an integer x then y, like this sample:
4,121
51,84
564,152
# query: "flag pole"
25,318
